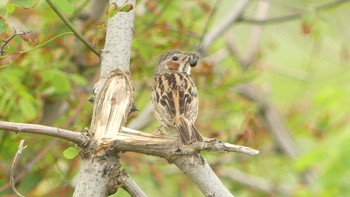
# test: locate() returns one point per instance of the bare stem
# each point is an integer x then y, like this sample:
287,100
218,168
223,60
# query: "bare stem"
14,164
71,27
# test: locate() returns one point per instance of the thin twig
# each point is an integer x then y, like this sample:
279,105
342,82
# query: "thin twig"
28,167
290,17
14,164
8,40
71,27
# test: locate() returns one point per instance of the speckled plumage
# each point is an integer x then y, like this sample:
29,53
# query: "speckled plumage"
174,95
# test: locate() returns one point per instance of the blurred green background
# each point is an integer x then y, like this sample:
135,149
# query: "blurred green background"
297,77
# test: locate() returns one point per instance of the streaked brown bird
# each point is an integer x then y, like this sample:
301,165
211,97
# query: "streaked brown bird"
174,95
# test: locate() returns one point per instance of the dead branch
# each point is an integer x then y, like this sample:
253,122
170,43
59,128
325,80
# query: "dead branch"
72,136
13,167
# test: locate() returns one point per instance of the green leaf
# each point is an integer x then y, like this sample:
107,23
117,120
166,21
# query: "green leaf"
27,109
24,3
65,6
78,79
127,8
4,102
10,8
112,10
3,25
30,181
70,153
58,80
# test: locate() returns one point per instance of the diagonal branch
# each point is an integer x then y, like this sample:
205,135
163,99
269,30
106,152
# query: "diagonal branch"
130,185
212,35
71,27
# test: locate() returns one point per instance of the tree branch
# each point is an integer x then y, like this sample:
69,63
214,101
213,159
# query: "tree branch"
166,146
130,185
71,27
186,158
290,17
113,95
117,49
212,35
72,136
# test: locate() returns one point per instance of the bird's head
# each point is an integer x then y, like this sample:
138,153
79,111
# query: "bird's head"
176,61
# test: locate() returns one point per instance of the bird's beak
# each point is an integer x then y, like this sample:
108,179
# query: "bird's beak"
193,59
191,62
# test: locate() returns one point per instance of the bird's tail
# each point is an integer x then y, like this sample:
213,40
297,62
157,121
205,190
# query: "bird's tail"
187,131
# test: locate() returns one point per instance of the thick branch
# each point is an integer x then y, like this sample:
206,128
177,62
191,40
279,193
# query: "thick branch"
72,136
166,146
185,157
130,185
116,52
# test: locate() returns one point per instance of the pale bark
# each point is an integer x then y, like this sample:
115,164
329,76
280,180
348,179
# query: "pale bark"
117,49
99,171
199,171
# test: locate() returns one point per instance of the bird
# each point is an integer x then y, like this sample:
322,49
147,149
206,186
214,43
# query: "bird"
175,96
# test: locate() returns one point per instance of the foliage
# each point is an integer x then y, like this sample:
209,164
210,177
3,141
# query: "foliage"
303,64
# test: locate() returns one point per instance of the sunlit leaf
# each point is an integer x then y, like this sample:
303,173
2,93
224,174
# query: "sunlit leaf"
70,153
27,109
10,8
112,10
58,81
4,102
3,25
127,8
65,6
24,3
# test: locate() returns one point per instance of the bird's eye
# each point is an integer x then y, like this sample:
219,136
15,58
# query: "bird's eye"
175,58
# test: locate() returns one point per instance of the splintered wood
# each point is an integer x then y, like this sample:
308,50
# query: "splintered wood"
113,100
